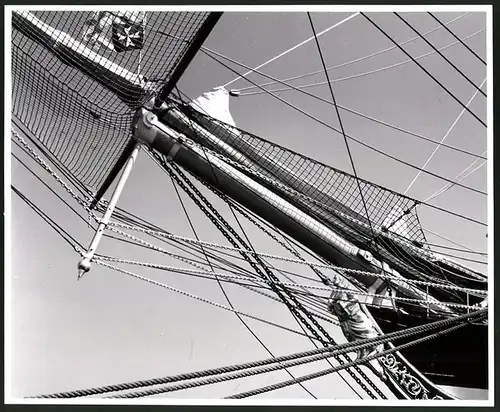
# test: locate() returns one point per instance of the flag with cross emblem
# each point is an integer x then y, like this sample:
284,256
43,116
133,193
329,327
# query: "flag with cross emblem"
118,31
127,35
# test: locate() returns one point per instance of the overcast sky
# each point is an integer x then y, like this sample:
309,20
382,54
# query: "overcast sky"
110,328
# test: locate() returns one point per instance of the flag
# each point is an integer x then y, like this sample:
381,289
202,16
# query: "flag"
118,31
127,35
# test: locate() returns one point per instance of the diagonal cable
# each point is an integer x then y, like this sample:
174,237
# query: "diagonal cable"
461,176
357,140
423,68
442,140
359,59
292,48
445,238
455,36
345,347
245,324
352,76
357,361
341,125
300,89
441,54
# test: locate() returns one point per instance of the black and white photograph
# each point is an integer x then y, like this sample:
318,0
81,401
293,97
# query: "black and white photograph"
273,205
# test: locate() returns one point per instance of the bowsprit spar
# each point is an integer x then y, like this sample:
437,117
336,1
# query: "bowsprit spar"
332,276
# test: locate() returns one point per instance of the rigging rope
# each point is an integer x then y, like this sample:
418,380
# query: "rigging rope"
176,244
455,36
441,54
293,48
457,249
50,189
341,127
449,240
231,208
193,296
68,238
423,68
227,263
286,259
289,284
49,170
77,183
442,140
339,79
218,221
328,351
355,362
41,163
214,257
266,369
283,244
328,319
357,113
365,145
359,59
459,177
245,324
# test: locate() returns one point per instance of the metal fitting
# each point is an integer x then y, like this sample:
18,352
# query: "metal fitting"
144,128
366,255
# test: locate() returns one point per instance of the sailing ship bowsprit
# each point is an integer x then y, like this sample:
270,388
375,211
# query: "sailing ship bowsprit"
102,71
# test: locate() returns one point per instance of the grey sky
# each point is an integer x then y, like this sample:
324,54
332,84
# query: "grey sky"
109,328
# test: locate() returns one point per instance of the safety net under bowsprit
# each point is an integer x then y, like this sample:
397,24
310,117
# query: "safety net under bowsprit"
386,223
328,192
78,77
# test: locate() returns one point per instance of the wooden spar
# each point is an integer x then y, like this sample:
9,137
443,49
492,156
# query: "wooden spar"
268,205
85,264
286,217
223,136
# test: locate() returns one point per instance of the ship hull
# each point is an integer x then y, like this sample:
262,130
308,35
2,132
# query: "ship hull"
459,358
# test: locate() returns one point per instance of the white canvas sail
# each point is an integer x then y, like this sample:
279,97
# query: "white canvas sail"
215,103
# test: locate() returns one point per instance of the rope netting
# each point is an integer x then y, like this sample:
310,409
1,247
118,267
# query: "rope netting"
333,198
335,194
79,76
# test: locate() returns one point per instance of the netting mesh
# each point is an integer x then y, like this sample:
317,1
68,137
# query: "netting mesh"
78,77
333,198
333,194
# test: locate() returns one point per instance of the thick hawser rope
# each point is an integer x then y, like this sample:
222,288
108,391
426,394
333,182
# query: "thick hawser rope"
328,351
